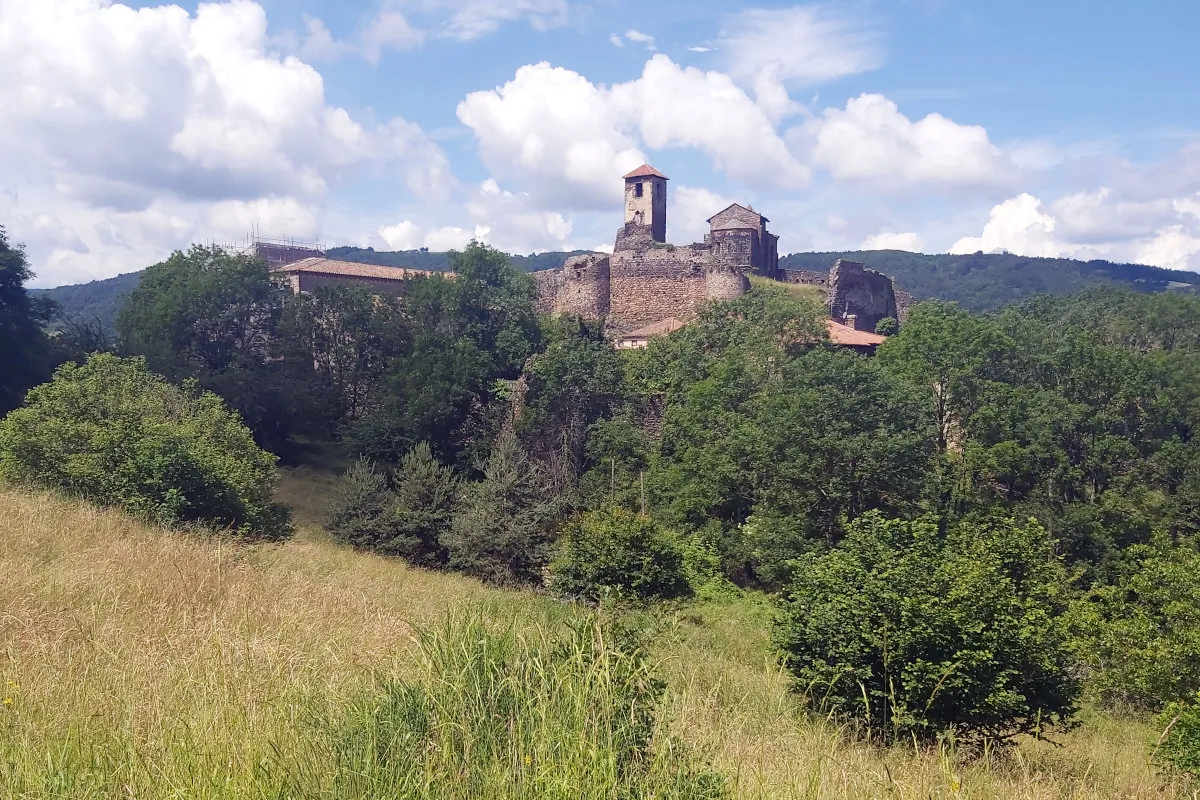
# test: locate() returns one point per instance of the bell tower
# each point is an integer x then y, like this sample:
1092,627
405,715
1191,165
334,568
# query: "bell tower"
646,200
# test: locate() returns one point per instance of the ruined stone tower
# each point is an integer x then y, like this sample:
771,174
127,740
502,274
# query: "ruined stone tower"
646,201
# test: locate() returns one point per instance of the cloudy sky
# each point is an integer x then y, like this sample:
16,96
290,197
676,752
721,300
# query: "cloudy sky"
1055,127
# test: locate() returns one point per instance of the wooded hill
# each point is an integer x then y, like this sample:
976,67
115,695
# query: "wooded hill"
978,282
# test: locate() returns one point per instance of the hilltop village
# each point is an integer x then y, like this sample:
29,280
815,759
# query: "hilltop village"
648,287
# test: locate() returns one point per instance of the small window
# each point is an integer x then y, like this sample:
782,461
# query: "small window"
637,192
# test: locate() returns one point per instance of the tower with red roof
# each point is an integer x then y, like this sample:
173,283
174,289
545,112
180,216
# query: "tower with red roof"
646,200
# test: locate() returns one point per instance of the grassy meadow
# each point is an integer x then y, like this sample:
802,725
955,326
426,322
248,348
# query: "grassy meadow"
141,663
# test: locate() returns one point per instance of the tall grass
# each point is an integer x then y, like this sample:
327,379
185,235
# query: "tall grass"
147,664
569,712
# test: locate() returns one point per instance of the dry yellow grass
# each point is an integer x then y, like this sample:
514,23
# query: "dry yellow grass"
143,663
798,291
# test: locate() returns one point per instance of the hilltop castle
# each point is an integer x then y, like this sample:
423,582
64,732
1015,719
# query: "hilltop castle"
647,280
647,283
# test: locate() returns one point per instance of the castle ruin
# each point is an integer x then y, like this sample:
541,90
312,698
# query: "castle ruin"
646,280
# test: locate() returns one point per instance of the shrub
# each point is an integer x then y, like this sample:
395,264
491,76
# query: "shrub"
917,633
499,715
617,549
360,505
888,326
1138,640
504,529
404,517
1179,746
115,434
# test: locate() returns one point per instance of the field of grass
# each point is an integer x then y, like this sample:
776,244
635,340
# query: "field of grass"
138,663
799,291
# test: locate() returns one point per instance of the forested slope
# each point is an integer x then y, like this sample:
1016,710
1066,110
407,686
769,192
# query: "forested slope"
988,281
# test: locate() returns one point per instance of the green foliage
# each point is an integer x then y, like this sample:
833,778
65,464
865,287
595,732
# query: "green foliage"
1178,748
1138,639
465,334
212,315
505,527
913,632
113,433
98,301
618,550
888,326
358,513
24,351
501,715
764,420
406,516
571,384
337,344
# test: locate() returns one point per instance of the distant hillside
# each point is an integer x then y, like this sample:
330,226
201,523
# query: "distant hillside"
95,300
985,282
980,282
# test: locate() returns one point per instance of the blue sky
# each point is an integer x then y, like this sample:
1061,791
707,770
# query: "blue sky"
1043,128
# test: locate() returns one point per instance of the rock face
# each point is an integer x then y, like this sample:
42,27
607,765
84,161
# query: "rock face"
860,296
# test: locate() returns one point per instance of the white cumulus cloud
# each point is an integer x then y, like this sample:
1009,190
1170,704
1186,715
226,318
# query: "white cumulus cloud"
143,129
894,241
871,140
551,131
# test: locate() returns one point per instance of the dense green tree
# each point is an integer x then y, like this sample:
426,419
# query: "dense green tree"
914,632
337,344
112,432
466,333
405,515
571,384
212,315
505,527
25,358
1138,638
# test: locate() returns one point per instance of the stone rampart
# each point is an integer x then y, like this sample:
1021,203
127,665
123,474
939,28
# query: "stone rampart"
725,283
657,283
584,290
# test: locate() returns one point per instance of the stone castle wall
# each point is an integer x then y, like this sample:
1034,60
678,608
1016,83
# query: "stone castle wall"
865,293
657,283
585,288
726,284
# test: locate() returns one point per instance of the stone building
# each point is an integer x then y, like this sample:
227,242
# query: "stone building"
308,274
645,279
740,235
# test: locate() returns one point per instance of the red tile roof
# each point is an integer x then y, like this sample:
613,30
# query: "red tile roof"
351,269
847,336
646,171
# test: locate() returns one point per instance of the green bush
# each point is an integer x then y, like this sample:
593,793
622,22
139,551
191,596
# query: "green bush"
572,715
913,632
403,517
1179,747
504,529
1138,640
113,433
619,550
